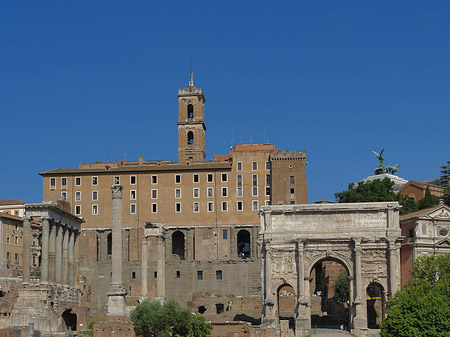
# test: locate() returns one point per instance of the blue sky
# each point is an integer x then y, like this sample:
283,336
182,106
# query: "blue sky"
97,80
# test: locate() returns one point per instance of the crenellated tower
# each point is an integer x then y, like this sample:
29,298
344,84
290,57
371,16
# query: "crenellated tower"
191,124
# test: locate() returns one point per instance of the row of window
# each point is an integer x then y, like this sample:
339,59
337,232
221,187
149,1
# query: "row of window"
195,207
154,178
8,239
8,257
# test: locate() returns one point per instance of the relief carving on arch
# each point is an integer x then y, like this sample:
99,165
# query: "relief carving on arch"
284,265
374,263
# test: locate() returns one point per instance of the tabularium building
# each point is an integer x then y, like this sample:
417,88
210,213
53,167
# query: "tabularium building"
190,229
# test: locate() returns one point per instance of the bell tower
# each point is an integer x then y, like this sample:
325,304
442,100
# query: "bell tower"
191,124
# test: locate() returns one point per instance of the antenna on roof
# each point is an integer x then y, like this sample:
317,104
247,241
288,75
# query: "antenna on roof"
232,140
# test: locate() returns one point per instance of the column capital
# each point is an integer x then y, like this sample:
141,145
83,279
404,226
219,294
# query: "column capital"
116,191
27,218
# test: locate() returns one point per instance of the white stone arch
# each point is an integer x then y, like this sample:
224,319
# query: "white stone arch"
348,264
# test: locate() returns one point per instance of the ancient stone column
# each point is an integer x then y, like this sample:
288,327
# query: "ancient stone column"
58,254
70,274
360,320
394,267
302,323
26,248
161,269
65,259
269,318
144,268
116,293
52,253
45,248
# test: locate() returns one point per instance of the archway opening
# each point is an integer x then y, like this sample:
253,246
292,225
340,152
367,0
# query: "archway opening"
243,244
190,136
178,244
375,305
286,304
330,294
190,111
70,320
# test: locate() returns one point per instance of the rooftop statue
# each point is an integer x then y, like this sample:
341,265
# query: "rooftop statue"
380,169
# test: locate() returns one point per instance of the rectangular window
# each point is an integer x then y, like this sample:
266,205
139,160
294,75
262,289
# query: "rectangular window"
196,178
77,196
210,192
154,179
16,258
16,240
218,274
225,234
132,208
196,207
196,192
267,191
267,165
224,206
116,180
240,205
254,179
64,195
154,208
239,180
239,166
292,180
8,257
177,207
255,205
210,206
78,181
224,177
77,210
132,195
94,181
239,191
63,182
199,275
52,183
154,194
267,202
94,209
210,177
255,191
292,190
292,202
8,238
178,193
254,166
177,179
132,180
224,192
267,179
94,195
178,274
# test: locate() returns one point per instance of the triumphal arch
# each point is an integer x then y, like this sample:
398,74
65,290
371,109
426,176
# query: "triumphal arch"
306,247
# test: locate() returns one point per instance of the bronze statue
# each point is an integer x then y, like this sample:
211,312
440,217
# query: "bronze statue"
380,169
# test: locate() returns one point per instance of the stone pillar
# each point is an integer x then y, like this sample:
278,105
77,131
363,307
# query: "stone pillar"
394,267
233,243
45,248
269,319
161,269
360,319
26,248
190,244
70,273
302,323
76,258
52,253
144,268
58,254
116,293
65,260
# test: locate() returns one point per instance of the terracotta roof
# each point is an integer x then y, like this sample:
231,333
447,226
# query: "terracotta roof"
416,214
10,216
6,202
143,168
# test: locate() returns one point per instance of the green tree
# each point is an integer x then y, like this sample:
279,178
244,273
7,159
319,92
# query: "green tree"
447,195
422,307
428,201
375,190
341,287
152,319
408,204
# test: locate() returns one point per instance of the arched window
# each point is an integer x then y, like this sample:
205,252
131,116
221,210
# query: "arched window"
190,111
190,137
243,244
70,319
178,244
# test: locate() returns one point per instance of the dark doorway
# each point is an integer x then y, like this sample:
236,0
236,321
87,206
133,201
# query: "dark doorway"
375,305
178,244
70,319
243,244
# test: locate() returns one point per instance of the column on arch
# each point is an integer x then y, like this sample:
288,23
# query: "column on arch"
360,320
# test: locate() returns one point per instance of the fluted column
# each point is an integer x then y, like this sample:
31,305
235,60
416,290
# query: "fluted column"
58,254
302,323
144,268
116,293
269,318
45,248
52,253
71,258
360,320
394,270
161,269
65,259
26,248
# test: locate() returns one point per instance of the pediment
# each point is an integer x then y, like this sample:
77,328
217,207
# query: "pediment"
444,243
441,211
